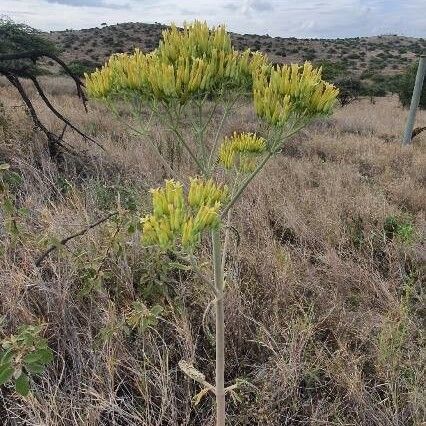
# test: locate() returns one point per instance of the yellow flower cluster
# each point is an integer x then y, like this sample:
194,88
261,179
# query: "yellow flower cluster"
241,150
203,192
121,72
175,219
193,41
292,91
196,60
187,62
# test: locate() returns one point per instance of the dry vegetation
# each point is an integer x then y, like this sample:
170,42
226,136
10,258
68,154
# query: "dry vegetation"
325,304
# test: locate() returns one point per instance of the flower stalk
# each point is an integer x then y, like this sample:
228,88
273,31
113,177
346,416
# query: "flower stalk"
220,328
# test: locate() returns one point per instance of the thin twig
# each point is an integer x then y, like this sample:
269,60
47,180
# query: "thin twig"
227,110
53,247
182,140
274,150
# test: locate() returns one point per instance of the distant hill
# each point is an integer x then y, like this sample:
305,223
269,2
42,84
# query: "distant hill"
365,57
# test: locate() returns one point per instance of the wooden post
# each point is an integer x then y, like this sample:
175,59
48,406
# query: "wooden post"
417,91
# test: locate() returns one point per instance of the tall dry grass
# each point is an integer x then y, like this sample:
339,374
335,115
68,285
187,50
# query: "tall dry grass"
324,302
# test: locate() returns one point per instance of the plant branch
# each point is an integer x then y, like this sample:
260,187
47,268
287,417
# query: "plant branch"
271,152
58,114
245,183
182,140
37,54
190,262
51,137
196,375
227,110
53,247
144,132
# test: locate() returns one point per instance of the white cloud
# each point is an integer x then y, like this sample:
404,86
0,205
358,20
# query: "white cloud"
90,3
304,18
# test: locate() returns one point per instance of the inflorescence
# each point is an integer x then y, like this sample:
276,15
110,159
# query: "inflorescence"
197,61
241,150
188,62
179,221
292,92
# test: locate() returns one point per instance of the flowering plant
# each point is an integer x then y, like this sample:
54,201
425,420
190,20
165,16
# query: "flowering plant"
196,68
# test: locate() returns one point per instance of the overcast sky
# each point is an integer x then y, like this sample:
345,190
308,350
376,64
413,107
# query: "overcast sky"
286,18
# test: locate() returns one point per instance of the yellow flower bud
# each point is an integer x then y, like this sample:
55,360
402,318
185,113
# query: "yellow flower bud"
235,149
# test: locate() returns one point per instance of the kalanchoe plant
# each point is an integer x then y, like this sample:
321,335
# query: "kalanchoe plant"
194,70
23,354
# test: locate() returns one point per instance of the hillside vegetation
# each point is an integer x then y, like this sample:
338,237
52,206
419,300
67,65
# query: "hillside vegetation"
387,53
374,60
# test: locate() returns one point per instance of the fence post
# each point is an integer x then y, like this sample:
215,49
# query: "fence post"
417,91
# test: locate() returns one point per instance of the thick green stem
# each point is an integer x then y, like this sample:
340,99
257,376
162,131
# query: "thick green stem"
220,329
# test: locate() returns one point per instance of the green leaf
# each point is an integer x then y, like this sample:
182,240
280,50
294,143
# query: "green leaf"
39,356
156,310
180,266
34,368
4,166
22,385
6,373
8,207
6,356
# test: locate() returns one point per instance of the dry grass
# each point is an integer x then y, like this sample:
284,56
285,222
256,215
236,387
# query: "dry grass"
325,304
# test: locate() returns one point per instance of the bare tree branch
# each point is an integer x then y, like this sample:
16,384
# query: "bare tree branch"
58,114
13,74
35,55
53,247
53,140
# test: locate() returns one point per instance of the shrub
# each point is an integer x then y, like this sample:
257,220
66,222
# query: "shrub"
349,89
23,355
17,38
332,70
406,85
353,56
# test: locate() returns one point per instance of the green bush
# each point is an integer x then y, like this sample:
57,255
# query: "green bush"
406,85
24,355
350,89
82,66
332,70
17,38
